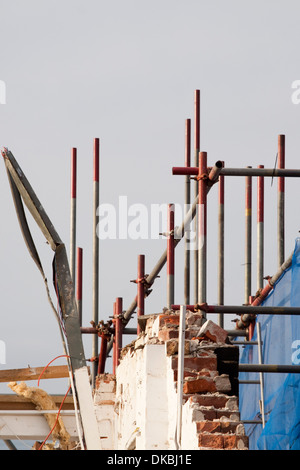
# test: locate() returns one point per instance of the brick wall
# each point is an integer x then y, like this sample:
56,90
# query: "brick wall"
146,383
210,387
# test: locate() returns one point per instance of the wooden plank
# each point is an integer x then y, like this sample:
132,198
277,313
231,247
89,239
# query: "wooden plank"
10,401
33,373
31,427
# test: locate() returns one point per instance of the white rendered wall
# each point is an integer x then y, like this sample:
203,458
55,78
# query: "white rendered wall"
142,400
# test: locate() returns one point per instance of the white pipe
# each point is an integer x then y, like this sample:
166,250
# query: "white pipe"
261,377
181,348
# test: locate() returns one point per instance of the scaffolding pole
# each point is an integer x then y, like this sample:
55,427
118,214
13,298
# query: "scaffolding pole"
261,375
187,257
221,218
118,331
202,227
196,156
241,309
180,378
113,341
140,289
102,354
270,368
79,265
170,256
267,172
73,213
280,201
95,255
248,237
260,231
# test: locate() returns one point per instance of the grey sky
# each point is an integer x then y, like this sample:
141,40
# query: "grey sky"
126,71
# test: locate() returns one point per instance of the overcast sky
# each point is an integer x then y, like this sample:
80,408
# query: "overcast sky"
126,72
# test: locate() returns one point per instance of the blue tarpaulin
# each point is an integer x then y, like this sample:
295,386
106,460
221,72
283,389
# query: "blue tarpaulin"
280,336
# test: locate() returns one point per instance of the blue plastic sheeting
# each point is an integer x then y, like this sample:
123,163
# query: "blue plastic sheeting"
281,345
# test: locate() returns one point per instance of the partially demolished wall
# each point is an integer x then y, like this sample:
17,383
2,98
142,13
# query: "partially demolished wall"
140,411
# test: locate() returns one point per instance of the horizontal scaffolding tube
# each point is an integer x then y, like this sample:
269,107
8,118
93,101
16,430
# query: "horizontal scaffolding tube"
95,331
284,369
239,309
237,333
253,382
268,172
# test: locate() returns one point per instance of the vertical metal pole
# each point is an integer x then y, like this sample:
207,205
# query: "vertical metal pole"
9,444
180,377
280,202
114,340
260,230
102,354
118,328
197,148
79,283
170,256
221,249
202,227
261,376
95,253
252,323
187,206
140,289
248,245
73,212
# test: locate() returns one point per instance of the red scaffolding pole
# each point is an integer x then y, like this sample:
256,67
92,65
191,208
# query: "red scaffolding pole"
170,256
140,288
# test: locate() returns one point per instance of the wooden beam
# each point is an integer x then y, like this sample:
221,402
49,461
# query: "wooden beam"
32,426
33,373
9,401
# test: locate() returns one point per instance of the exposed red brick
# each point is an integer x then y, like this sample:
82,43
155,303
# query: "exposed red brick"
172,347
230,441
186,373
204,373
213,441
209,413
229,426
218,401
199,385
197,363
208,426
233,441
223,383
168,320
227,413
165,334
196,318
213,332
